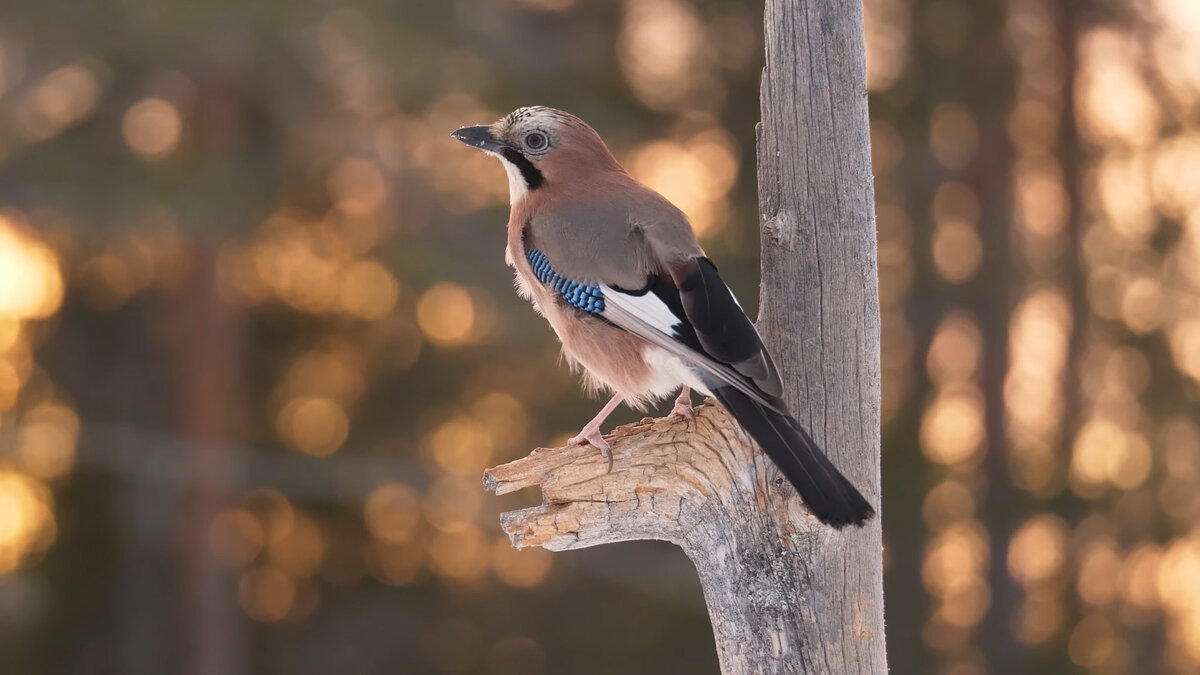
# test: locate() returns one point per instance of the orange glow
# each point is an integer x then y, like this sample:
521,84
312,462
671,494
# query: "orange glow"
10,333
334,371
1106,452
313,425
461,446
1038,550
298,550
396,564
1039,618
1143,305
1175,174
695,175
1099,573
356,186
887,33
1039,331
952,569
266,594
1122,186
952,426
957,250
1106,289
10,385
955,200
948,502
152,128
460,555
1096,441
953,135
967,602
1033,125
451,504
392,513
27,524
549,5
1114,104
1093,642
1041,199
660,49
107,282
236,537
1185,346
956,350
1178,592
1140,576
505,418
31,285
46,440
953,556
274,511
319,266
368,290
446,314
520,568
62,98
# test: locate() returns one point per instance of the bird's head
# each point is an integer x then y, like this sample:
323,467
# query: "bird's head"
541,147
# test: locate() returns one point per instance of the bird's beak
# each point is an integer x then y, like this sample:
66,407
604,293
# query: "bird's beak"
479,137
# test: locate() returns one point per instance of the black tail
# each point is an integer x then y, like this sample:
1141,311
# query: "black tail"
828,494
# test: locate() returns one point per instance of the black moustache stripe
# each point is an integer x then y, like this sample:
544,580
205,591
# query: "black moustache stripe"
533,177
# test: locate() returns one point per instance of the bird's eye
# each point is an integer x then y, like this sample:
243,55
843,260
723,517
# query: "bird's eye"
536,140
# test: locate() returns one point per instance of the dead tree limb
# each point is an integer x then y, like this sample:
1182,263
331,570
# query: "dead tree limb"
785,593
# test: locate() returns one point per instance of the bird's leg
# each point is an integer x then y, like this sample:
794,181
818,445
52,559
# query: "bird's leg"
683,405
590,433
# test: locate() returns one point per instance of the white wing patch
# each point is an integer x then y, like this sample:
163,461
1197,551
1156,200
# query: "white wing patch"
647,308
649,318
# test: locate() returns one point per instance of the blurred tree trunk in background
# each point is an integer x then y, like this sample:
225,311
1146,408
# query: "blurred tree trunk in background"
209,363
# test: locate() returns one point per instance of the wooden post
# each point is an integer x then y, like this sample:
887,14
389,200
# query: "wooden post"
785,593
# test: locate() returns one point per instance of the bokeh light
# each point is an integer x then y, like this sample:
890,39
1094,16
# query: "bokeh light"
152,128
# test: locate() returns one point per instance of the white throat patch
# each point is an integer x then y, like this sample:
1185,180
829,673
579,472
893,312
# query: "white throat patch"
516,182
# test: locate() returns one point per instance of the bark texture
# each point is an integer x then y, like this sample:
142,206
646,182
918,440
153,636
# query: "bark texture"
785,593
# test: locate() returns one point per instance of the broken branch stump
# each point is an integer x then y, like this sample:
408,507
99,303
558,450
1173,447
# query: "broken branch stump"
705,487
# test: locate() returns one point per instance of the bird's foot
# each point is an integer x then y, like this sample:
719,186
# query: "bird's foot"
592,436
683,406
685,410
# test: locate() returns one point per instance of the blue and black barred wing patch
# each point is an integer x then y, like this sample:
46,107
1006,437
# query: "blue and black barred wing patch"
586,297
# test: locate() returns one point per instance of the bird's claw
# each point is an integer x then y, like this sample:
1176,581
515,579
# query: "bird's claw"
596,440
683,407
684,410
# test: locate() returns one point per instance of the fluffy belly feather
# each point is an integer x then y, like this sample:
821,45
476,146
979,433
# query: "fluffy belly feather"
611,359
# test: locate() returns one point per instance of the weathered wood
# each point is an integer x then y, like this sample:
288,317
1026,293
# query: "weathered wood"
785,593
820,299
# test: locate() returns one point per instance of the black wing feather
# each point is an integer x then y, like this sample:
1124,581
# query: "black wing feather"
717,324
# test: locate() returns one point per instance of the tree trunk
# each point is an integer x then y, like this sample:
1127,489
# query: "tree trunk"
785,593
209,389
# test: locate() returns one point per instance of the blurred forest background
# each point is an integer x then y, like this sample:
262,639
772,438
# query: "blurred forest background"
257,340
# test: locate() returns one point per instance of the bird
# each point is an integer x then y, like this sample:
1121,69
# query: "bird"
640,310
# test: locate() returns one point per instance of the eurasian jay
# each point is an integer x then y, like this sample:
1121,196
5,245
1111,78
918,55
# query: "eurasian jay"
616,270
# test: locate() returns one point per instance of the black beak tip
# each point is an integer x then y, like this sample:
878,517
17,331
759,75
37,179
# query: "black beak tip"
476,137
